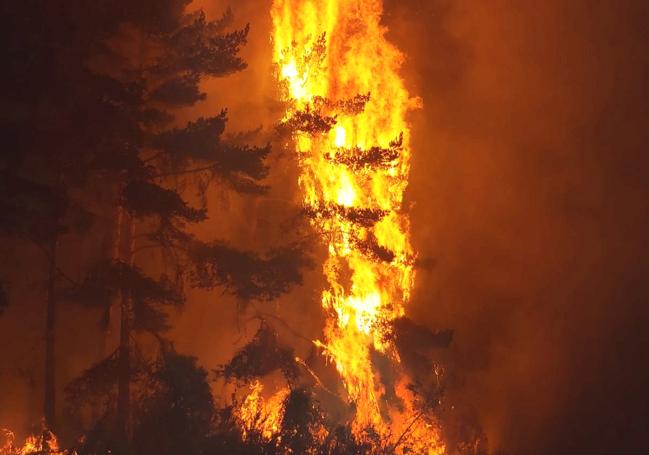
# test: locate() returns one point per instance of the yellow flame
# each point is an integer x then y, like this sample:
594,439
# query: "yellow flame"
44,443
261,415
336,50
340,139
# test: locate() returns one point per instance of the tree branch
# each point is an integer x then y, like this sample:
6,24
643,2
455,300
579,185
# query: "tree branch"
188,171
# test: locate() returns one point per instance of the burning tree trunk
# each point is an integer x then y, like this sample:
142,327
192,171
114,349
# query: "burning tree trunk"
111,252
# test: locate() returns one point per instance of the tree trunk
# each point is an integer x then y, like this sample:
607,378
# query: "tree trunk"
50,339
124,381
111,252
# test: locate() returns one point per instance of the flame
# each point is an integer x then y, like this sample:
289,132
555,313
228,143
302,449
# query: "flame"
328,52
263,416
44,443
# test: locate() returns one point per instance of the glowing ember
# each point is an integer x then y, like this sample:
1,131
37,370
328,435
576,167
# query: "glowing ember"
354,155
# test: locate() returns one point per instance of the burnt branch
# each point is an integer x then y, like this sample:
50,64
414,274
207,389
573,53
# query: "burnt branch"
365,217
307,120
351,106
370,247
375,157
263,355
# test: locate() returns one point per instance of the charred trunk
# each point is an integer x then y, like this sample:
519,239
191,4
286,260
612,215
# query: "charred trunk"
111,252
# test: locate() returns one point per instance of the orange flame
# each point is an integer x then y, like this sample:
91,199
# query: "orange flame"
329,52
263,416
45,443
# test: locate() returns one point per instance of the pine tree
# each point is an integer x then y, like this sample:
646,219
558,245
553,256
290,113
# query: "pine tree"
142,159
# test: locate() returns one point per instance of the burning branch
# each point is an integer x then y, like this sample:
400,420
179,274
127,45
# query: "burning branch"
371,159
365,217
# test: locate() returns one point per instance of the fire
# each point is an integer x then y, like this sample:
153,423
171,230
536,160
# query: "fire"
261,415
334,61
44,443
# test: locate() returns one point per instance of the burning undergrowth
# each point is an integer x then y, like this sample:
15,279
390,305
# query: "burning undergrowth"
304,415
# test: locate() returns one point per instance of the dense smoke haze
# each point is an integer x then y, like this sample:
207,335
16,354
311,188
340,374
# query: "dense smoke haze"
529,211
530,194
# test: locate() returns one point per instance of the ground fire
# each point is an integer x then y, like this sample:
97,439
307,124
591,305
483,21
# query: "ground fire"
43,443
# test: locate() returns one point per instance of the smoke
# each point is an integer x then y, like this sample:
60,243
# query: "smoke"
529,195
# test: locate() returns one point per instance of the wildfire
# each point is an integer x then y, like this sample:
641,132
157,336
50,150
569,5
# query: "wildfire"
44,443
347,109
261,415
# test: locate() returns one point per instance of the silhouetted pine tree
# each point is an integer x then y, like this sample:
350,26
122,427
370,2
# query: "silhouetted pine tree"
261,356
141,160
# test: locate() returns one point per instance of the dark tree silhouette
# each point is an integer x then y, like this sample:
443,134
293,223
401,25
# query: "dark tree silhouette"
246,274
177,411
260,357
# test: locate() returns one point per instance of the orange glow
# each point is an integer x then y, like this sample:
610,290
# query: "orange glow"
328,53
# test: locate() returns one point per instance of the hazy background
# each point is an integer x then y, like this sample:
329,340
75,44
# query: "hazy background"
530,193
529,201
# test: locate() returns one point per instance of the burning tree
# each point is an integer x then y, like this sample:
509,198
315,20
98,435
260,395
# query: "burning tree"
353,152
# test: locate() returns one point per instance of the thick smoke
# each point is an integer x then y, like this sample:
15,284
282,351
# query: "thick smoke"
530,197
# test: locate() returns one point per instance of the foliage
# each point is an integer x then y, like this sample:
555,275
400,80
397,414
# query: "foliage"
201,48
177,413
371,248
301,421
352,106
307,120
200,144
245,274
359,159
105,280
98,381
366,217
181,90
261,356
30,210
148,199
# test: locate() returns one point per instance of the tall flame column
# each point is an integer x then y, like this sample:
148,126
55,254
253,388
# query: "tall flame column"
340,77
